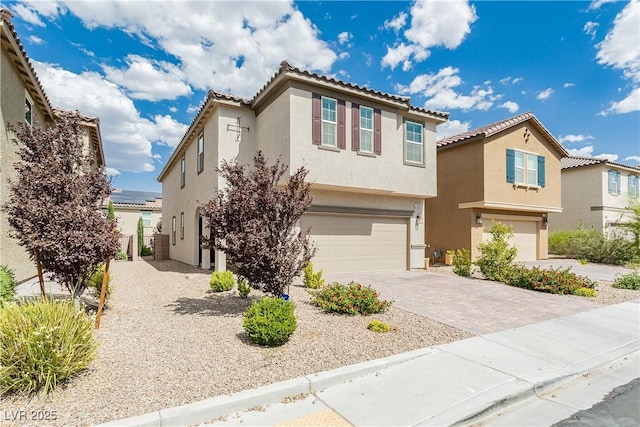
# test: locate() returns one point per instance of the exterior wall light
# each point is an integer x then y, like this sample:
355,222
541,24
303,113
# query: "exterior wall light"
479,219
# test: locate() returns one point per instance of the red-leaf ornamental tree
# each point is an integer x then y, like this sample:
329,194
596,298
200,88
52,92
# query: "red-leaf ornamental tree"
254,220
53,206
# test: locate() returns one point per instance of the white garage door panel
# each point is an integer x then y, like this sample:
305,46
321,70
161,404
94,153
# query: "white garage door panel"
357,243
524,238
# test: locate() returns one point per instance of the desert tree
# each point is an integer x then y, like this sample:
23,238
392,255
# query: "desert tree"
140,235
254,220
53,204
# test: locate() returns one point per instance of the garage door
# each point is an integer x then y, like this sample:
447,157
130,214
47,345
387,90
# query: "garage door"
357,243
525,238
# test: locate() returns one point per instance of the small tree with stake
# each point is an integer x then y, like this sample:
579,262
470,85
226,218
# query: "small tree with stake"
53,205
254,220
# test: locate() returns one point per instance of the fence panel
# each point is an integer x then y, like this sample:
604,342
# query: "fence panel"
126,245
147,252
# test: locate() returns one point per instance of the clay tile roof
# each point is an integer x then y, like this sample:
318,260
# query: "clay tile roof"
59,112
577,162
497,127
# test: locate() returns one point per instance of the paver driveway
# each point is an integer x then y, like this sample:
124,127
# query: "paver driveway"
476,306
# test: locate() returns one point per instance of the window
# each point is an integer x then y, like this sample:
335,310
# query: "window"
182,171
413,142
366,129
28,111
329,121
634,191
146,218
173,230
201,152
614,182
181,225
525,168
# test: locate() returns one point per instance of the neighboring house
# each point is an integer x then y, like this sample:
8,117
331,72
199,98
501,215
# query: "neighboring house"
371,159
507,172
130,205
595,193
22,99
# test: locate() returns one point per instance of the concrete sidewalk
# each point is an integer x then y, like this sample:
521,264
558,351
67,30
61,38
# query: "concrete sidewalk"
451,384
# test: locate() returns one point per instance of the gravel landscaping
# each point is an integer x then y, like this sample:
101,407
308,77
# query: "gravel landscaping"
166,341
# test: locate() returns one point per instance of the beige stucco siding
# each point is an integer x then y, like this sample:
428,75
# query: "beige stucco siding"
128,220
496,187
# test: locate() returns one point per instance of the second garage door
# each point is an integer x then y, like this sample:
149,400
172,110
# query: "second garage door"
357,243
525,238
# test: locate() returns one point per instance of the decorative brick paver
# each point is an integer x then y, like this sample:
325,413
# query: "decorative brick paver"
473,305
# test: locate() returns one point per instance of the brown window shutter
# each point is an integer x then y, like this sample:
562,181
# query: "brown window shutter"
316,111
342,131
355,127
377,136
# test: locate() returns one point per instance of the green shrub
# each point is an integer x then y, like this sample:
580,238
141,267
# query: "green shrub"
560,281
270,321
121,255
95,282
496,254
589,244
558,241
378,326
243,288
221,281
349,299
146,251
585,292
628,281
312,280
43,343
462,262
7,285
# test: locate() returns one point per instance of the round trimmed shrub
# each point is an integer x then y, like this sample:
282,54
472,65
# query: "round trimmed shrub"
378,326
7,285
221,281
270,321
43,343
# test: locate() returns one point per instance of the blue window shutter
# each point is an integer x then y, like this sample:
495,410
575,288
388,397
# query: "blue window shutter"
511,166
618,176
541,171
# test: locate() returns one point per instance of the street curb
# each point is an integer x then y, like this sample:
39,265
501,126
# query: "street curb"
218,406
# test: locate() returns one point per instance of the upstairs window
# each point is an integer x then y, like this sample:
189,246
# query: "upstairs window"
173,230
366,129
146,218
614,182
182,225
201,152
182,171
28,111
329,121
634,191
414,147
525,168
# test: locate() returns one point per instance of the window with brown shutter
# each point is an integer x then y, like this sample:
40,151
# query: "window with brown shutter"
355,127
377,131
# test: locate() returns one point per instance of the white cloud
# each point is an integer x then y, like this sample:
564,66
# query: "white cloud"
450,128
173,109
344,37
635,159
511,106
433,23
27,15
587,151
545,94
590,28
219,47
507,81
149,79
439,88
597,3
35,40
574,138
396,23
568,84
620,49
610,157
112,172
126,136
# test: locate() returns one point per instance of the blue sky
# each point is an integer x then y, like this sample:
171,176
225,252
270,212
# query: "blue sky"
144,67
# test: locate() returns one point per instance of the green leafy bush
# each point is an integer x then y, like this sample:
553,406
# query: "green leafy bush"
312,280
378,326
589,244
270,321
7,285
628,281
349,299
121,255
146,251
95,282
496,254
586,292
462,262
221,281
243,287
43,343
554,281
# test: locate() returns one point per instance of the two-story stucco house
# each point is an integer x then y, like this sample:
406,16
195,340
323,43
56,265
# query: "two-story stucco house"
507,172
131,205
371,159
22,99
595,193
